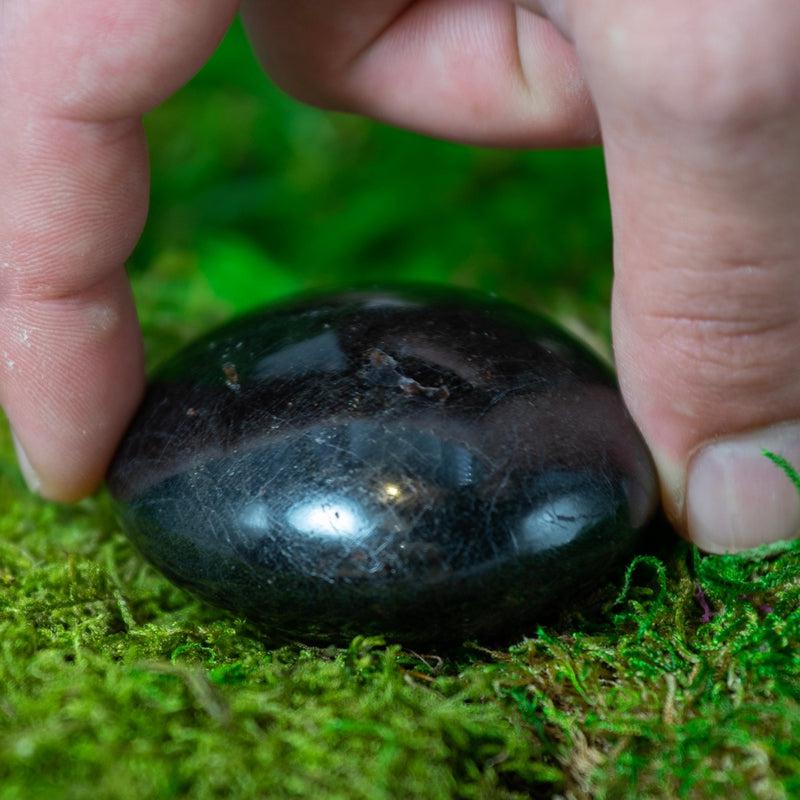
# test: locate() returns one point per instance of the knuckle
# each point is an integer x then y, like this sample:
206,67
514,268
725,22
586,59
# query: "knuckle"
721,74
731,352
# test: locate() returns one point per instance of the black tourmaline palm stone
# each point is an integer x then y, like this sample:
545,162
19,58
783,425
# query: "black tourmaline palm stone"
430,465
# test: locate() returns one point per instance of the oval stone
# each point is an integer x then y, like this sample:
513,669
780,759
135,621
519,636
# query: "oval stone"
431,465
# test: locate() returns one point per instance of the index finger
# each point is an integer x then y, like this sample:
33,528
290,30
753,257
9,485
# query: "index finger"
74,80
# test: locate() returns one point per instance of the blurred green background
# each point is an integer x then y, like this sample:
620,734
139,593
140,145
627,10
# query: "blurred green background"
255,196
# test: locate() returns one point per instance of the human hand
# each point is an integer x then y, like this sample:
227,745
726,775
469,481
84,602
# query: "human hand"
699,108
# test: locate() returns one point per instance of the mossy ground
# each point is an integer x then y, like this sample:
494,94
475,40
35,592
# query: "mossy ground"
679,679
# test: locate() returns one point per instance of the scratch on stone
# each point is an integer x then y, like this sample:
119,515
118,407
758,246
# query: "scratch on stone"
231,376
384,370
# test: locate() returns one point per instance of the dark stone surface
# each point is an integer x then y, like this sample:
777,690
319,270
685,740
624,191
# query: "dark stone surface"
430,465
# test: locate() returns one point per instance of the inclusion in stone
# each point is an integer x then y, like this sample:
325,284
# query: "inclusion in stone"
431,465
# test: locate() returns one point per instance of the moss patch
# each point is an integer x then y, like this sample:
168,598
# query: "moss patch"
682,680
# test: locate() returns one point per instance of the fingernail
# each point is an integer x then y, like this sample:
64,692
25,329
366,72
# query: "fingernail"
25,466
737,498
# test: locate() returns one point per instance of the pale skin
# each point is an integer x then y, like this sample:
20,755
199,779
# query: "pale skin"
697,103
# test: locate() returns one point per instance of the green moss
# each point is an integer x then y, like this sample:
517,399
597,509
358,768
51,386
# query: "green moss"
680,679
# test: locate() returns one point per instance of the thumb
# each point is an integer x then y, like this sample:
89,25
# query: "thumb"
703,155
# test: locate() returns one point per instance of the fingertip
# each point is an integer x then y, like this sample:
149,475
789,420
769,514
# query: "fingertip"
71,472
27,470
77,379
737,497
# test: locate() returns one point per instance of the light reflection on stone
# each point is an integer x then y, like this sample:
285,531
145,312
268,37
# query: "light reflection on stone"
256,517
320,353
560,520
329,515
391,491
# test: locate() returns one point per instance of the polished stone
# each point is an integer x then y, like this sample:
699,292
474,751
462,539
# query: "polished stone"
430,465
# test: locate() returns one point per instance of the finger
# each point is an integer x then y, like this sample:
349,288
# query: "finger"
704,172
557,11
73,169
480,71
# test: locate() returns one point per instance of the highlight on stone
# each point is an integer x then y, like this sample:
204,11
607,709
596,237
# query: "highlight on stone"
427,464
